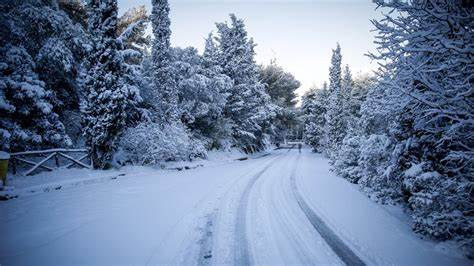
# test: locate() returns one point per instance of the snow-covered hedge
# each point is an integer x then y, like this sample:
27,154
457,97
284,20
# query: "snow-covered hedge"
149,143
416,125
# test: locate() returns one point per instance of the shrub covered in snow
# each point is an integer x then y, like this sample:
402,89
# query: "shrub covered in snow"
430,45
374,164
347,163
431,197
150,143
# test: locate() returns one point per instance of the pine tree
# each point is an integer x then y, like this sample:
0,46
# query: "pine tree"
57,46
335,126
248,105
279,84
164,86
217,126
314,108
346,91
347,84
28,119
201,93
133,41
131,30
211,53
107,93
335,71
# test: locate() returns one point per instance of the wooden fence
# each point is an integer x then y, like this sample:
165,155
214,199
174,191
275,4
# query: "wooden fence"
60,156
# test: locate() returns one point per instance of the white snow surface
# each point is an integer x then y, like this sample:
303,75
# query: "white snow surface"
231,212
4,155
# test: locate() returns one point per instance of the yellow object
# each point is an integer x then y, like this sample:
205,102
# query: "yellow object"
3,170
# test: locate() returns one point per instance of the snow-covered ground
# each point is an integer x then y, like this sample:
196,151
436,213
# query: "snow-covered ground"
19,185
284,208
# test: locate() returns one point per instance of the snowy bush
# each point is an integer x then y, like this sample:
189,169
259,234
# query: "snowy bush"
374,158
150,143
432,198
347,160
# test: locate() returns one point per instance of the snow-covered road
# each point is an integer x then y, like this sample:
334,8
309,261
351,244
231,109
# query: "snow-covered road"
284,208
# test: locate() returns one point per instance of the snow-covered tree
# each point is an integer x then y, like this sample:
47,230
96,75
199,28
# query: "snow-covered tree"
414,139
314,107
201,94
279,84
152,144
211,54
336,124
75,9
164,86
361,111
425,52
220,129
361,85
57,45
108,94
248,105
131,29
347,85
335,71
28,120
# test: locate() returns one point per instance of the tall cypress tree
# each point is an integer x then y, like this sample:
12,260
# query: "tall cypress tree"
347,83
211,52
335,71
347,86
335,116
107,95
165,93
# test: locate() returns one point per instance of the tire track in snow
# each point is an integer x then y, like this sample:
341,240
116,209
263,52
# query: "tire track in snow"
153,259
292,222
336,244
206,256
242,256
205,252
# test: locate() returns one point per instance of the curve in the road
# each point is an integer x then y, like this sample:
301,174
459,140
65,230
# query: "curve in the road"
336,244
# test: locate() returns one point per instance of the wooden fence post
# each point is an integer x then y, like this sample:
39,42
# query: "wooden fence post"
56,160
19,157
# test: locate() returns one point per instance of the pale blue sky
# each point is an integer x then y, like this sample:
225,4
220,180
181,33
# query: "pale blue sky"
298,33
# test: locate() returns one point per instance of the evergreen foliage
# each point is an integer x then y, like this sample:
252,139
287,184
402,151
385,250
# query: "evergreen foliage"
165,96
107,92
408,136
314,107
28,120
248,105
335,116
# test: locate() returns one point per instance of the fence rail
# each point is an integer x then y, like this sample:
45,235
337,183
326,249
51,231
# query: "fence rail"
45,156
